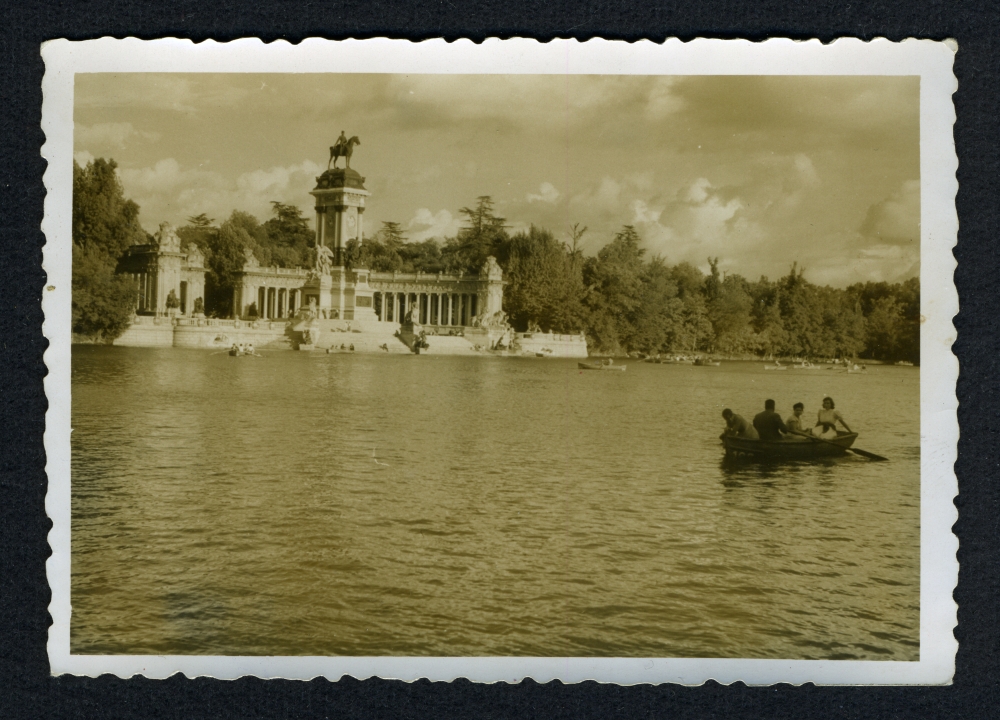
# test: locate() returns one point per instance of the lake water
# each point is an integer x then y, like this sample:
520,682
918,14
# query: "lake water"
304,504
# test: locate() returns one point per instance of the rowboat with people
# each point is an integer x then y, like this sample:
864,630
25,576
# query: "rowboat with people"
802,447
606,365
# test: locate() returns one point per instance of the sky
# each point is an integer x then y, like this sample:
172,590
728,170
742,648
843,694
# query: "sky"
760,172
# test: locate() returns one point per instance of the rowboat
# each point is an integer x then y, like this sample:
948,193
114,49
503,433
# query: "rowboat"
797,449
807,366
600,366
775,367
699,362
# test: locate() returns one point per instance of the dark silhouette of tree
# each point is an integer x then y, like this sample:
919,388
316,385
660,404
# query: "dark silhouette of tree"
105,224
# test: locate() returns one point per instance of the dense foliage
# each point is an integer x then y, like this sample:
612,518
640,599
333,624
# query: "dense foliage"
621,298
104,225
625,301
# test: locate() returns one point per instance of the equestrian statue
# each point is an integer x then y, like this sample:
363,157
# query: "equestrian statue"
343,148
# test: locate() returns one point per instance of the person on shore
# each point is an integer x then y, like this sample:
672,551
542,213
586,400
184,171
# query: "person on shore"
769,424
250,349
794,421
737,426
827,419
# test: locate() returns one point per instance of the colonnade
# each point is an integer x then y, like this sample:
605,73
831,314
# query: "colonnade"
274,303
448,309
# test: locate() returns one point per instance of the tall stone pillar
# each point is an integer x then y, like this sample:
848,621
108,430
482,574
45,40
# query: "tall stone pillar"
340,204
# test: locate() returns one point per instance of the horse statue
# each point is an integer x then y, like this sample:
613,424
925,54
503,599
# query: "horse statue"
343,148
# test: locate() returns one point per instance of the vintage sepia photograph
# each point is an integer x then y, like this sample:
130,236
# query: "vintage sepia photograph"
499,364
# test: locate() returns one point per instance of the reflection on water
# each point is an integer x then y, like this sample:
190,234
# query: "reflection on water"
401,505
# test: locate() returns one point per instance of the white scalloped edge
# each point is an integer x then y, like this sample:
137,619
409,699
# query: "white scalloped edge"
932,60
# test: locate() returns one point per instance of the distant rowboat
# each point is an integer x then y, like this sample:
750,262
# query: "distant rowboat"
600,366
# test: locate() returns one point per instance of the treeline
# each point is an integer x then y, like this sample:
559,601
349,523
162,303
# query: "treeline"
627,301
623,299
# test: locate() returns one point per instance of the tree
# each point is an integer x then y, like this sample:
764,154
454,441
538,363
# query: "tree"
379,253
483,236
105,224
287,236
729,311
545,286
614,283
103,302
656,321
228,254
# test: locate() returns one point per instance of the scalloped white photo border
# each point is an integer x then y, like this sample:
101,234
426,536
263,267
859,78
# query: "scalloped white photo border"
932,61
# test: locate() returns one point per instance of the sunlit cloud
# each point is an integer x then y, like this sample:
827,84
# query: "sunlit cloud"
171,192
896,219
425,225
547,193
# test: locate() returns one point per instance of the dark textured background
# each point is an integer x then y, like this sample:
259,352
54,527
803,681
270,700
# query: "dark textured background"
27,690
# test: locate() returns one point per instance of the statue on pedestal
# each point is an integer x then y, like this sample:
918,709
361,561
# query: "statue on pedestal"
324,260
343,148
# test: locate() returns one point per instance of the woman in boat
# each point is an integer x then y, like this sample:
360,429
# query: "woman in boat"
826,421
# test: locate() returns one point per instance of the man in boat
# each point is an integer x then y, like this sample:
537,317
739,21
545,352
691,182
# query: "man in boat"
769,424
794,421
737,426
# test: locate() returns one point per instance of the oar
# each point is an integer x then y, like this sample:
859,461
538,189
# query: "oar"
856,451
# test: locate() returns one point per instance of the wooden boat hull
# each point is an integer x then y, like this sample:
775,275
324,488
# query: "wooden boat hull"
591,366
804,449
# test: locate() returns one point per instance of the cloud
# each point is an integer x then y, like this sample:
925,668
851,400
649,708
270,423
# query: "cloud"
662,101
109,135
547,193
178,92
277,181
875,263
896,219
806,170
526,101
82,157
169,191
642,213
429,225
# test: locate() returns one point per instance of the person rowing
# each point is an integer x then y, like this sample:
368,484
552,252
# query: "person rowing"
737,426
